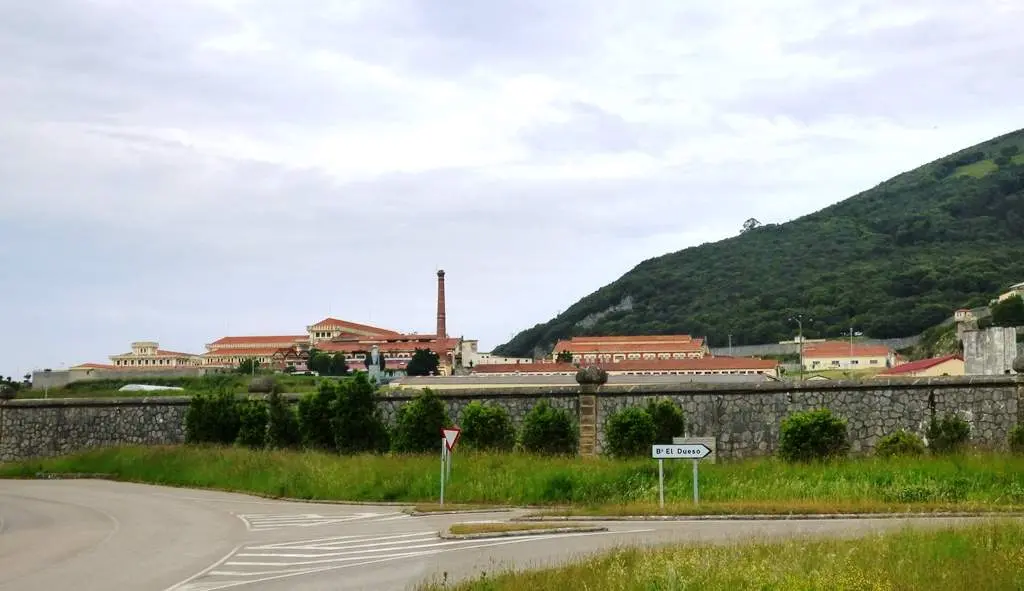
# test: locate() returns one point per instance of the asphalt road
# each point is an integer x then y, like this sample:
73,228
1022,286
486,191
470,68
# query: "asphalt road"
89,534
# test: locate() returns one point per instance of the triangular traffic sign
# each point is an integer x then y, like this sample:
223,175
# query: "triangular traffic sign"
451,437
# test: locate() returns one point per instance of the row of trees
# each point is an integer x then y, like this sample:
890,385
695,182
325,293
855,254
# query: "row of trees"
344,417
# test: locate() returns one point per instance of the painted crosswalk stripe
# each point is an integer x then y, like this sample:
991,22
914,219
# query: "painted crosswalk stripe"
260,562
272,521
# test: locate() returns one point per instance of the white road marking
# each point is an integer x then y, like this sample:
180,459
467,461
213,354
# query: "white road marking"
273,521
290,559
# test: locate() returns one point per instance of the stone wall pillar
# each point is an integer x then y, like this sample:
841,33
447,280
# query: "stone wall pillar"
590,380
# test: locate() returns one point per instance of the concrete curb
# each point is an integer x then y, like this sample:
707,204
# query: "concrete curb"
415,513
525,532
74,476
789,517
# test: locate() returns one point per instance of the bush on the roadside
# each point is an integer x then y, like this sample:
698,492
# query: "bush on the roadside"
252,424
316,411
419,424
900,443
813,435
630,432
1016,439
668,418
357,423
948,435
282,423
212,418
487,427
547,430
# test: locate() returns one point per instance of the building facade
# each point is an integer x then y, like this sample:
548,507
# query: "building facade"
698,366
148,355
631,348
948,365
846,355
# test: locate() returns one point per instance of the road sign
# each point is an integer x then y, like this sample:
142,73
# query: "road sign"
451,437
678,451
688,451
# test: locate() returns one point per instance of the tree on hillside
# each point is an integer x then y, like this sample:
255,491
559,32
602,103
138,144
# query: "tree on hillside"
564,357
1009,312
424,362
749,225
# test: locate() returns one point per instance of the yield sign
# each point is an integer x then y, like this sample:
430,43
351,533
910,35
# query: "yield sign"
451,437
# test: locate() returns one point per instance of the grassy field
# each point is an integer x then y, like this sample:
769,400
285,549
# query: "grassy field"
988,556
975,482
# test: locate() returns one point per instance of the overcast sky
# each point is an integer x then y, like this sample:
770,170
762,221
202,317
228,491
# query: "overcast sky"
184,170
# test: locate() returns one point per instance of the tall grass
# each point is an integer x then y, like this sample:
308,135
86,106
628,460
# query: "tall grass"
988,556
959,482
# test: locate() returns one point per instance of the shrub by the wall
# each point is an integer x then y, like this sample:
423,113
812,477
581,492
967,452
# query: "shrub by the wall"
948,435
813,435
212,418
419,423
547,430
629,432
900,443
357,424
486,426
1016,439
282,423
252,424
316,411
668,418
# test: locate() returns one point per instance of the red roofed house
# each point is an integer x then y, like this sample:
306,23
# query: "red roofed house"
631,348
699,366
947,365
147,355
847,355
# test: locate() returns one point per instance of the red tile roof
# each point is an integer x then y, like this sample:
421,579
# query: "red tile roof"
254,340
242,352
94,366
390,345
631,344
919,365
174,353
354,326
842,349
705,364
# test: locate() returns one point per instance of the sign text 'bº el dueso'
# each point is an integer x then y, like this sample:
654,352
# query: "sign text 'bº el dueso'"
689,451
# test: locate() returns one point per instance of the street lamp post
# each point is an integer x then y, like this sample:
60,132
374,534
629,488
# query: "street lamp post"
799,319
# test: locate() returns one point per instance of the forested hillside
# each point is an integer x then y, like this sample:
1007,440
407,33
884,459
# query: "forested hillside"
891,261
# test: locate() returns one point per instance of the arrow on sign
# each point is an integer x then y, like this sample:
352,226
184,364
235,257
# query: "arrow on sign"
451,437
687,451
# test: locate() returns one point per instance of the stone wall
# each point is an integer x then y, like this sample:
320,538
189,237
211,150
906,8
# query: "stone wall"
744,418
51,427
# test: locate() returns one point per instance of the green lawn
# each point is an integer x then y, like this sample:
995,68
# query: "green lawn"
570,485
984,167
983,557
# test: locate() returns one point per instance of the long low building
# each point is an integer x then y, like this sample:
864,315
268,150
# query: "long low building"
539,380
707,366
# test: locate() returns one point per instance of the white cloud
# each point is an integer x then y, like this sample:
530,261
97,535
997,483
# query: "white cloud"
181,171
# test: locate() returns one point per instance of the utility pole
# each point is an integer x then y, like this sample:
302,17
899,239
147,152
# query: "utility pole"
730,345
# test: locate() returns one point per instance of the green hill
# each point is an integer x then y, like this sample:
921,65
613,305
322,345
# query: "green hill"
891,261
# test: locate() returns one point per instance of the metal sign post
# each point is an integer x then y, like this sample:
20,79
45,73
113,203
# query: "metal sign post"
449,437
693,451
444,456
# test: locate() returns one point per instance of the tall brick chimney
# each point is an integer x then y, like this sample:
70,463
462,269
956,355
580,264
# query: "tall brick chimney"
442,330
